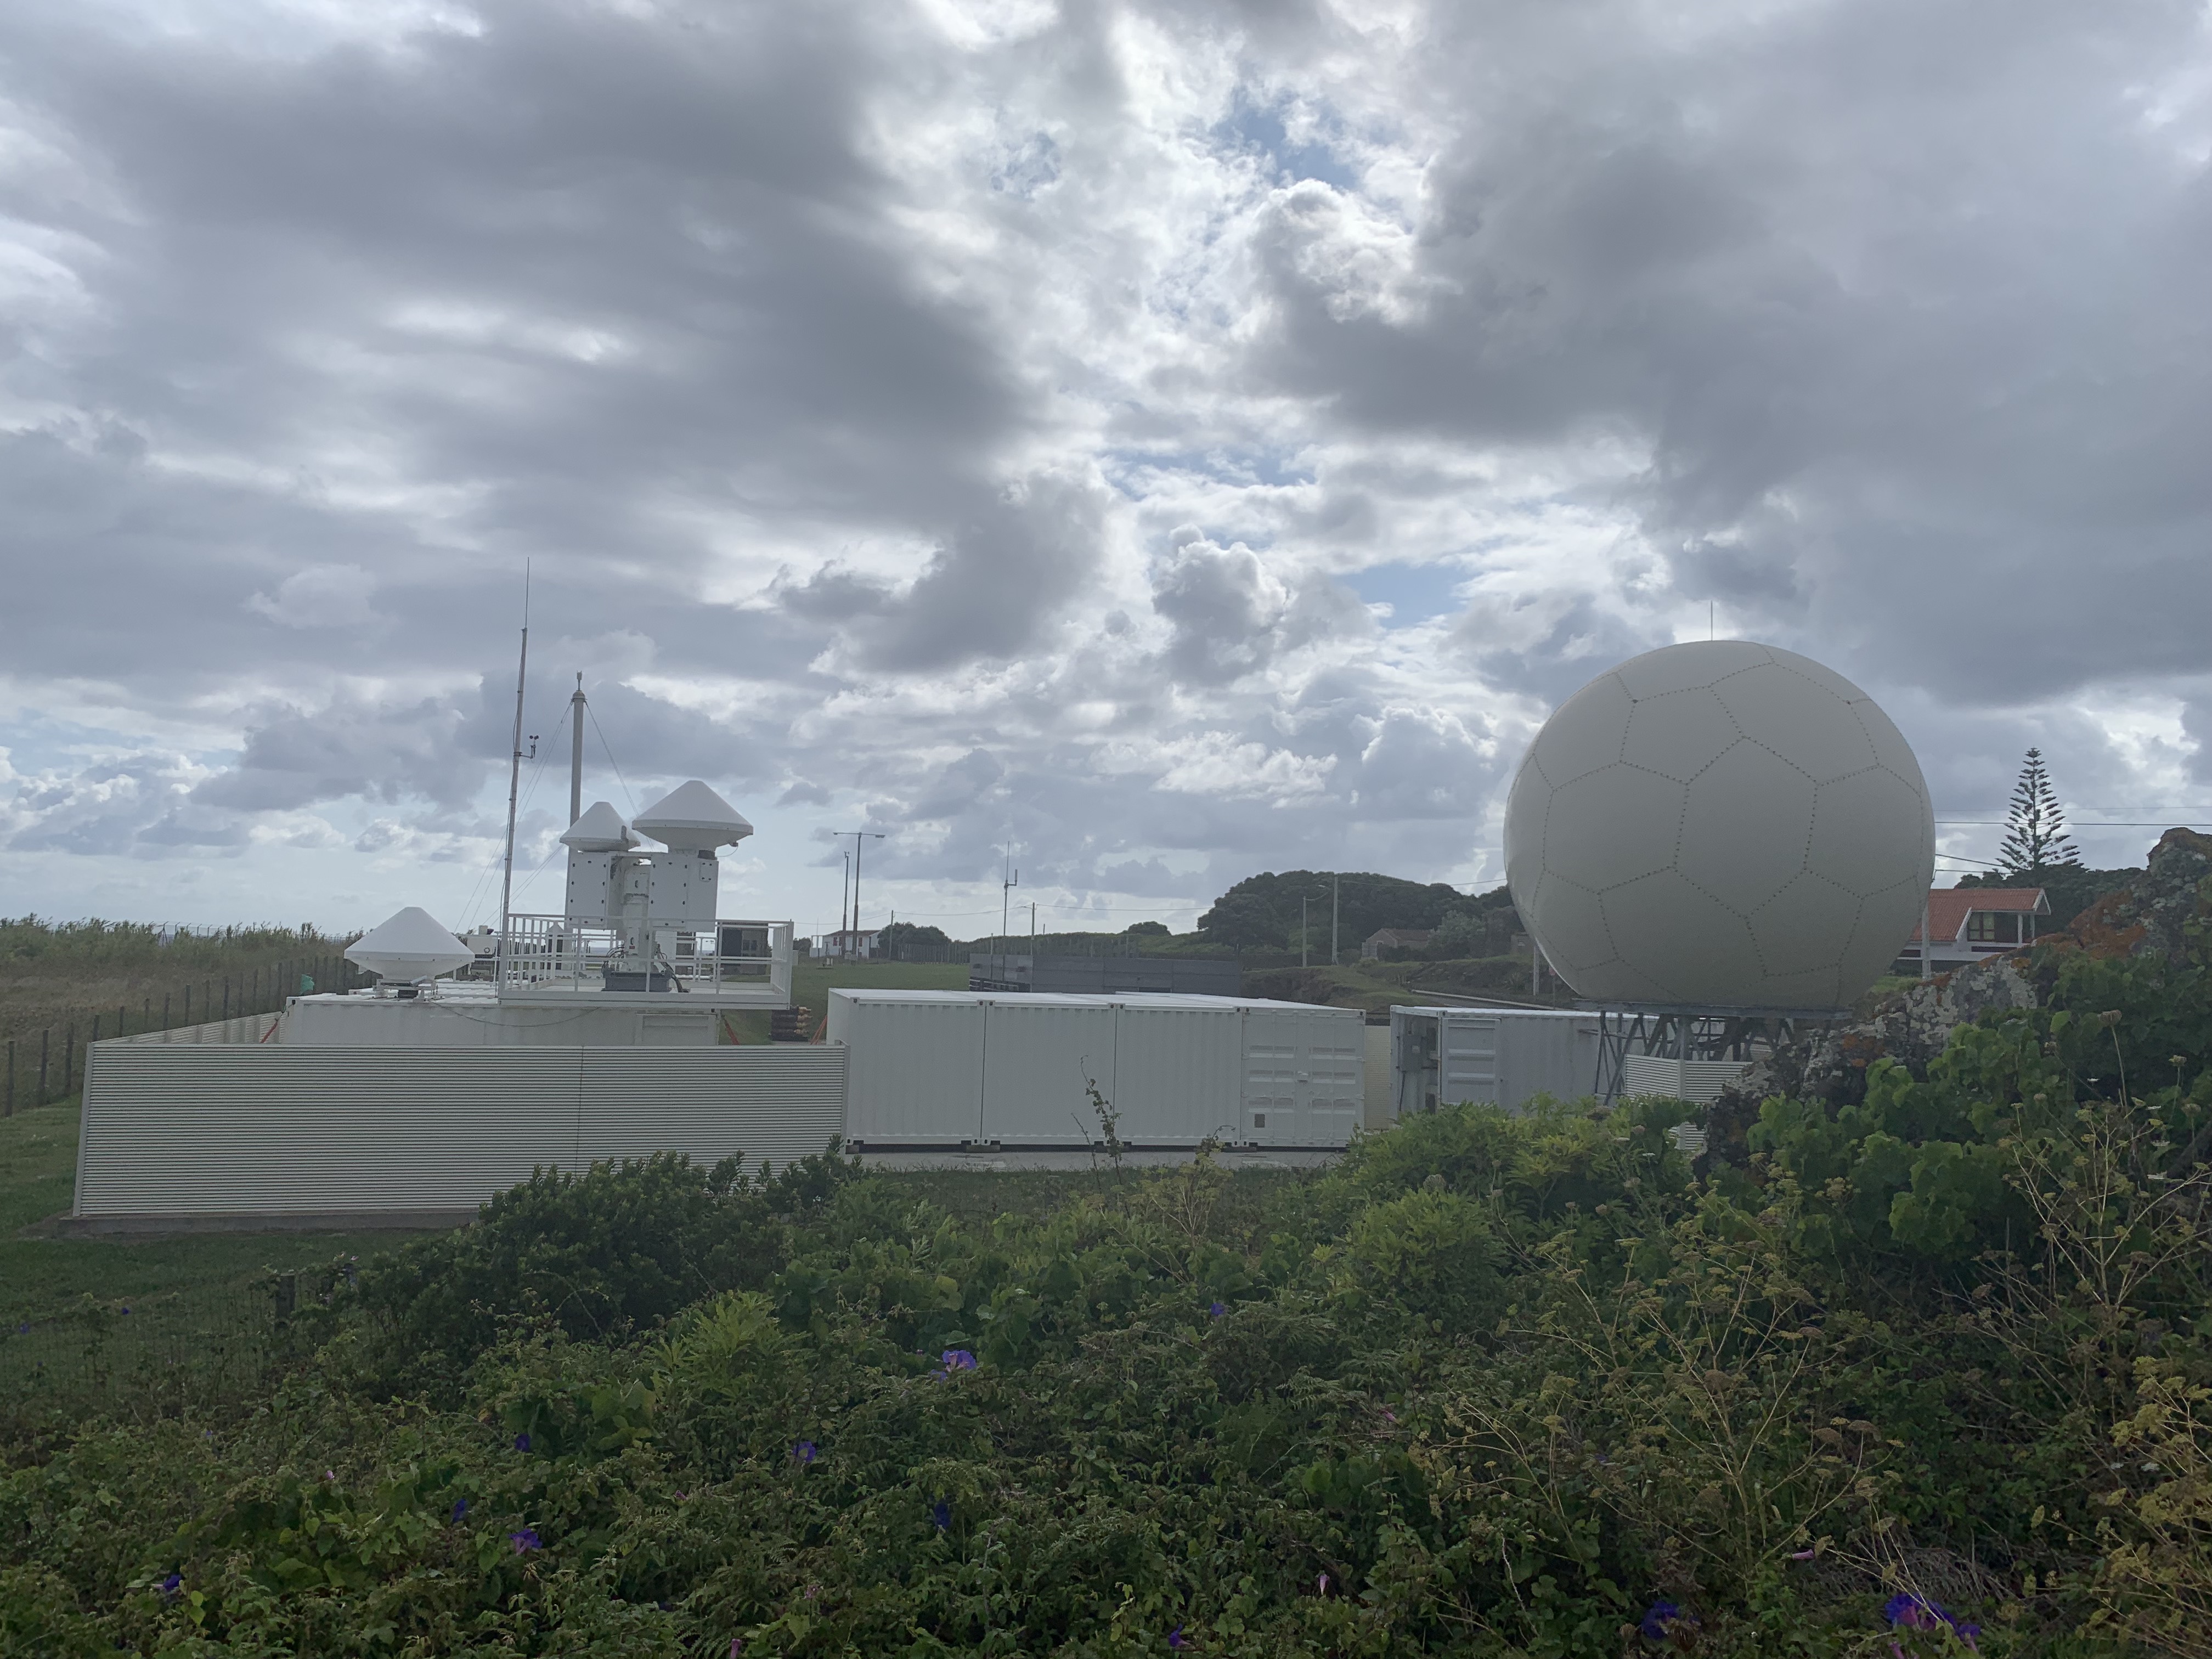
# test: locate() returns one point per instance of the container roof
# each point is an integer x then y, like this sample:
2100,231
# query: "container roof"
1183,1000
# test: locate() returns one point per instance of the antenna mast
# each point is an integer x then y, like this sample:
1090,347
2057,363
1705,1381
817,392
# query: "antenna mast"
576,753
513,787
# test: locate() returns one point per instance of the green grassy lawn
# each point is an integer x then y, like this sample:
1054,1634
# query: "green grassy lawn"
812,981
41,1277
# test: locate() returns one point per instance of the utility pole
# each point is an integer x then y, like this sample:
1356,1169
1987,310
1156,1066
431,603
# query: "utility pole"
853,934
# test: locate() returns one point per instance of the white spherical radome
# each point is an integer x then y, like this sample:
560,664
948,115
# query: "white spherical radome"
1720,824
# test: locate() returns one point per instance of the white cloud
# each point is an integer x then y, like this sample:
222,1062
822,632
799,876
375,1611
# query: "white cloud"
987,417
322,595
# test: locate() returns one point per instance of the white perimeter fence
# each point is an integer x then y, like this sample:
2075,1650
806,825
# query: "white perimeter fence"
186,1127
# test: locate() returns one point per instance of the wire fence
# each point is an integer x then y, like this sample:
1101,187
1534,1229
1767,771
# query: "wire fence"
49,1066
160,1352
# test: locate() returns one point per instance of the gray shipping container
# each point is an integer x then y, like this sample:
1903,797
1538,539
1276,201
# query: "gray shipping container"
1444,1056
939,1069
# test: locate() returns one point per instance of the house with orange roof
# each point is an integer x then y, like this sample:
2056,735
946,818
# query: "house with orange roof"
1967,924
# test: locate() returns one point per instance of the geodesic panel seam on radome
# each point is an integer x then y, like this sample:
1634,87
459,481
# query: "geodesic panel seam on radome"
1721,823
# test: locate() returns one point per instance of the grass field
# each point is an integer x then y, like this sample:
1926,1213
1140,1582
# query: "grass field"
62,1300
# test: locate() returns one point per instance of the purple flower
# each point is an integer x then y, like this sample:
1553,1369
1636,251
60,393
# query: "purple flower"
522,1443
126,1311
737,1646
1217,1310
941,1512
173,1584
1175,1638
1658,1619
1906,1611
959,1360
526,1541
460,1508
804,1452
1909,1612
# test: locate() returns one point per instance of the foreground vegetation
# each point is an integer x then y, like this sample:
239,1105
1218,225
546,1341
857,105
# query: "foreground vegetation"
1928,1373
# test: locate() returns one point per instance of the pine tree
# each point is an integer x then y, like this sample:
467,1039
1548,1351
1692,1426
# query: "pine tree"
2035,829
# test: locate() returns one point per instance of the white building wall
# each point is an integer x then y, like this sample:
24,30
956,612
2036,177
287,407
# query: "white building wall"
459,1022
259,1129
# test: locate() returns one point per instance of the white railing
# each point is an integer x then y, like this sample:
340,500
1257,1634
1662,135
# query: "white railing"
740,961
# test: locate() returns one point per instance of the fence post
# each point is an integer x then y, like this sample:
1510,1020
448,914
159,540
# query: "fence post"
11,1076
44,1032
165,1009
225,996
120,1022
188,1005
68,1058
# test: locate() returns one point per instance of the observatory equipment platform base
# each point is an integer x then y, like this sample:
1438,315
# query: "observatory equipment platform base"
1692,1053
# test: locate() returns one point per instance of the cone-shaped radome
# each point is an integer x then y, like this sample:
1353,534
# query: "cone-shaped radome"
599,831
410,946
691,818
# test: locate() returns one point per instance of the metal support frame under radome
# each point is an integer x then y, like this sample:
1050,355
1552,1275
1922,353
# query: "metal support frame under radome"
1692,1053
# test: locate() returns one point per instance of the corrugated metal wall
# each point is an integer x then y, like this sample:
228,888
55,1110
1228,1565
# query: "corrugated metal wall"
944,1069
261,1129
1174,1075
1503,1055
1037,1061
1700,1080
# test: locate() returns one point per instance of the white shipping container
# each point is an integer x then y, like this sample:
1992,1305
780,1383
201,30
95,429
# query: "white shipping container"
954,1068
1507,1056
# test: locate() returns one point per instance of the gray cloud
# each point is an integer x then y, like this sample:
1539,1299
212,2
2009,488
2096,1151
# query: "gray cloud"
977,429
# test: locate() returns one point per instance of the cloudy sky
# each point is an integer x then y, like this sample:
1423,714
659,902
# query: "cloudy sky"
1190,439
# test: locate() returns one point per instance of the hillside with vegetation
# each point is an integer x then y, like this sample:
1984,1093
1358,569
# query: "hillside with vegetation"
1918,1364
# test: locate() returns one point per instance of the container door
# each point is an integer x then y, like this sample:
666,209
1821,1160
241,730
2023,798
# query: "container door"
915,1070
1271,1077
1335,1058
1038,1060
1175,1071
1468,1060
1413,1061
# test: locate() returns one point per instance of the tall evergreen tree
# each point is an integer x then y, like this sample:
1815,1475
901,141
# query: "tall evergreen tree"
2035,829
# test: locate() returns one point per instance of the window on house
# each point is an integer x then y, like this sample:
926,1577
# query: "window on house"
1993,927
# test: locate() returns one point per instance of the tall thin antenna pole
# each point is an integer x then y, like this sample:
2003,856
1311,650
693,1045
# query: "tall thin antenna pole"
1011,879
513,787
845,908
576,754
